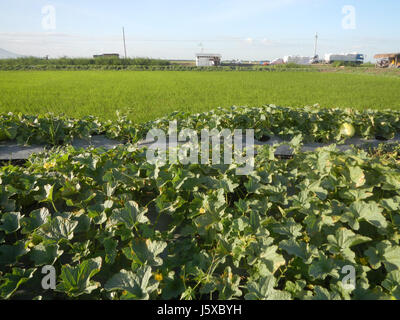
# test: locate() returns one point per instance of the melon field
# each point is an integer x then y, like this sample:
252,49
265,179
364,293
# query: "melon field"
320,225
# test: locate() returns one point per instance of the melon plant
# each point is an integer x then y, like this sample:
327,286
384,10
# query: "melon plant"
115,227
3,135
315,124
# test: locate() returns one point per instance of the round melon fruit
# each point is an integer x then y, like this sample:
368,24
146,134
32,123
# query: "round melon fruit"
347,130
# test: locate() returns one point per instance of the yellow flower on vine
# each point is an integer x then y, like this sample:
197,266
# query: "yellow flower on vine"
49,165
158,277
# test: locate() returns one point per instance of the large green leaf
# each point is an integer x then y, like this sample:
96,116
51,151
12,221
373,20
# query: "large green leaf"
271,258
357,176
9,254
392,283
386,253
324,294
49,192
135,286
131,215
343,240
264,290
10,222
58,229
145,252
298,249
76,281
110,246
228,288
323,267
10,282
36,219
290,228
369,212
45,254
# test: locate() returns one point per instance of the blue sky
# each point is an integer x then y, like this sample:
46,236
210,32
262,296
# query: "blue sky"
241,29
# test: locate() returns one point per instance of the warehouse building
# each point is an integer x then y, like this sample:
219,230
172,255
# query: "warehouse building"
208,60
388,60
298,60
106,55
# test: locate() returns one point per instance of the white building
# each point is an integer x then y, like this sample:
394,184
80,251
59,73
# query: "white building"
208,60
277,61
297,60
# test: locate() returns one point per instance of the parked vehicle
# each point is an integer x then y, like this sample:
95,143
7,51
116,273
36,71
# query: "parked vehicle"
356,58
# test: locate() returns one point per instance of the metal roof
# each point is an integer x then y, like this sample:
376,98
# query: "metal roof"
386,55
208,54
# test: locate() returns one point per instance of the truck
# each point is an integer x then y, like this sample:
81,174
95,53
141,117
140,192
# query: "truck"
356,58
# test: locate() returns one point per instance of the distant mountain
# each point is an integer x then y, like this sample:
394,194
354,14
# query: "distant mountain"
4,54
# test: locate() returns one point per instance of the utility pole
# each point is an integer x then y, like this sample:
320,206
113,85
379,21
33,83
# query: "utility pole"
316,42
123,34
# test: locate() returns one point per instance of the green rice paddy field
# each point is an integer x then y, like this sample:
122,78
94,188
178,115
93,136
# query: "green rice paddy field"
146,95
